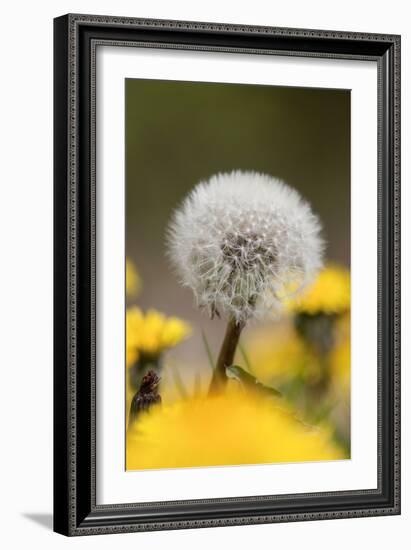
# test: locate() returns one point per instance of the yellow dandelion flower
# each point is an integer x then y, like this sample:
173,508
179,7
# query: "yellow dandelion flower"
152,333
231,428
329,293
133,280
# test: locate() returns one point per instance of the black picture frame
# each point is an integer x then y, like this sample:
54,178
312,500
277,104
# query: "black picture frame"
76,38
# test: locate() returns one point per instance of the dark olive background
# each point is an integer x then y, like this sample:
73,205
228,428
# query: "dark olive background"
178,133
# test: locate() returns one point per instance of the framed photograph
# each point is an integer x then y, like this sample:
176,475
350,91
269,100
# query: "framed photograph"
227,277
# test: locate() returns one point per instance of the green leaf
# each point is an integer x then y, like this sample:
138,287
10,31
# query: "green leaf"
250,382
323,412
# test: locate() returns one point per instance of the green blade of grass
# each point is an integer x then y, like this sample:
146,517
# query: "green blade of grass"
246,358
208,350
178,381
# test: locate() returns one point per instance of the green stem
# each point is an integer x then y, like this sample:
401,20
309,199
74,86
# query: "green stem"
226,355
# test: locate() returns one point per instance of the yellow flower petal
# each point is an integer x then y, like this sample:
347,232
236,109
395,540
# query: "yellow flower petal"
329,293
133,280
153,333
174,331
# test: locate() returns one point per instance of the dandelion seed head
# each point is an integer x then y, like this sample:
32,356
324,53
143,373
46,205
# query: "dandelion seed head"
239,239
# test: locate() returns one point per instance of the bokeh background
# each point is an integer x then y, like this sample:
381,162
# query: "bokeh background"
178,133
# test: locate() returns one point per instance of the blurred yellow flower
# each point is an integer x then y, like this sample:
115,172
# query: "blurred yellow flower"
152,333
329,293
130,393
132,355
278,355
133,280
340,357
232,428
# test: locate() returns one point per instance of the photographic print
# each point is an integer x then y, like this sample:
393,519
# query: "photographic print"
237,274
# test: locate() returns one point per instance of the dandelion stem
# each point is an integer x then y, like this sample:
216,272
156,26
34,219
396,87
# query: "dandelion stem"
226,355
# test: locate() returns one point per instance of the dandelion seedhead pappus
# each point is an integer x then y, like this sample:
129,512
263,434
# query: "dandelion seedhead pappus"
240,240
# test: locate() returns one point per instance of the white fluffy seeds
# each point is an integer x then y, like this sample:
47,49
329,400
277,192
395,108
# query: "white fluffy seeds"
241,240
